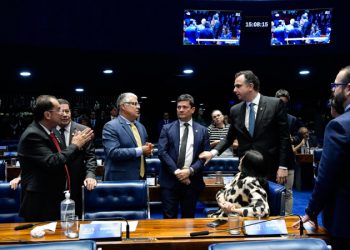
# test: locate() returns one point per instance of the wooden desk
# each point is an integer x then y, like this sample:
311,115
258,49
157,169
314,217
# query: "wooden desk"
158,235
207,195
304,172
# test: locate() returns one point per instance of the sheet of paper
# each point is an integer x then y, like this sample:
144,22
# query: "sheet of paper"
132,224
51,227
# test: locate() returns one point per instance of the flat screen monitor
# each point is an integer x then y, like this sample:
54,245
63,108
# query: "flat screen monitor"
301,27
212,27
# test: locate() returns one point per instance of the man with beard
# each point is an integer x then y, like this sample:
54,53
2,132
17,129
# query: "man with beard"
332,188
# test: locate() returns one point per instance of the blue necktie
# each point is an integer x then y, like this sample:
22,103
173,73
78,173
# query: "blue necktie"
251,119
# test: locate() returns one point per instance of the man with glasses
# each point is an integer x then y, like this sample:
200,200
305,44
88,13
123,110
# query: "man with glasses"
82,168
125,142
332,188
43,159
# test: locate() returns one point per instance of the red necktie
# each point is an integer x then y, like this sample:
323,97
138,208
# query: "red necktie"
55,141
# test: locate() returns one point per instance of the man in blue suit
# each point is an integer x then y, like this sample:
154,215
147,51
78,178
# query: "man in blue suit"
331,193
125,142
181,178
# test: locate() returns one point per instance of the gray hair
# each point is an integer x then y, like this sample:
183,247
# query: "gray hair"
124,97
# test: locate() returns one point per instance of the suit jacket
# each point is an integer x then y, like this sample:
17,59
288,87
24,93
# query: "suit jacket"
42,170
168,152
82,166
119,145
271,134
332,188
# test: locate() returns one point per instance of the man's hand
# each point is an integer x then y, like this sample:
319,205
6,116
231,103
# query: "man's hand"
206,155
80,138
90,183
305,219
15,182
281,176
147,149
182,174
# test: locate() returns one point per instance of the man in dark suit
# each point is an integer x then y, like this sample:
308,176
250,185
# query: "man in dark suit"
332,188
43,174
82,168
125,142
260,123
181,178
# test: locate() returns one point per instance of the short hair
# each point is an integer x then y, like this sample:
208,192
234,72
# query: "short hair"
250,77
186,97
346,76
43,103
63,101
124,97
282,93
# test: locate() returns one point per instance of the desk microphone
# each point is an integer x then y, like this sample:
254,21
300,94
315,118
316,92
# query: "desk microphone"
226,230
301,224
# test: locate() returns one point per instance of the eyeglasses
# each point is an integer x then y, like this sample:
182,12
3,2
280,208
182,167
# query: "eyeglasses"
54,110
334,85
136,104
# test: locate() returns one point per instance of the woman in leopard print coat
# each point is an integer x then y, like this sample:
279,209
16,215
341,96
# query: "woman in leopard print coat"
246,194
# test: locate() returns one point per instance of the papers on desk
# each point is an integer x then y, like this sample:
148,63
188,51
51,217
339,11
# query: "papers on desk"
51,227
132,224
265,227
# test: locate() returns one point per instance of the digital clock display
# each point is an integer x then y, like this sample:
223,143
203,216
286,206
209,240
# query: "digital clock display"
257,23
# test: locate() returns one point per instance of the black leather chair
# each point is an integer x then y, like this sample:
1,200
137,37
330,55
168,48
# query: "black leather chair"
71,245
294,244
9,204
127,199
227,165
276,200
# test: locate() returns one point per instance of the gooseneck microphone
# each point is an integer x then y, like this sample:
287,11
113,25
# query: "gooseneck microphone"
301,224
226,230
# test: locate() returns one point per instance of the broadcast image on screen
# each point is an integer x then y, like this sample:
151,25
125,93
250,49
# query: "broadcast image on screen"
212,27
300,27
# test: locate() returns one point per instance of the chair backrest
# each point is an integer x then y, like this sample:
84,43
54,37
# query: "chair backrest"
153,166
223,164
100,154
294,244
2,170
276,198
127,199
9,204
72,245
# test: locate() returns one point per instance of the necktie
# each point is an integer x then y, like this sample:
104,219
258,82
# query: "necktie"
182,153
251,119
57,145
63,137
139,144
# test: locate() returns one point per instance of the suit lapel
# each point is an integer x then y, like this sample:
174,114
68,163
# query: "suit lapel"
195,139
127,129
242,114
176,131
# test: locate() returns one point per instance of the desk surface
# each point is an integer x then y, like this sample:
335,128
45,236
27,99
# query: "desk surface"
158,234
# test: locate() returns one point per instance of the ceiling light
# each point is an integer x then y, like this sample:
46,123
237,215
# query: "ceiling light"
25,73
188,71
79,90
304,72
144,97
108,71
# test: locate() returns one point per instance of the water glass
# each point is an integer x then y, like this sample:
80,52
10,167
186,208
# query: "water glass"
72,226
234,223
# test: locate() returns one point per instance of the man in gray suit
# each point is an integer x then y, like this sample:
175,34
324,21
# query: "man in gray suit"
82,168
260,123
125,142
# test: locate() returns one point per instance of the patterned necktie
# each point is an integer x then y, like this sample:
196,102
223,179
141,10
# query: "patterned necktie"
139,144
251,119
182,153
57,145
63,137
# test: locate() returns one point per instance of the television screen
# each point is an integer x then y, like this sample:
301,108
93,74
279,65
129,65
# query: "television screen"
302,26
212,27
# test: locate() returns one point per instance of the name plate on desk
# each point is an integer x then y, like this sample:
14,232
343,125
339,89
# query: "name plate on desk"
265,227
106,231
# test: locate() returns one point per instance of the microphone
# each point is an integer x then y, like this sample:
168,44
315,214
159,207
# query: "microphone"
25,226
226,230
301,224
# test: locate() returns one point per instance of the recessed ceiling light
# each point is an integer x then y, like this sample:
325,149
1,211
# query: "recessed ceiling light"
79,90
188,71
143,97
173,101
304,72
25,73
108,71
